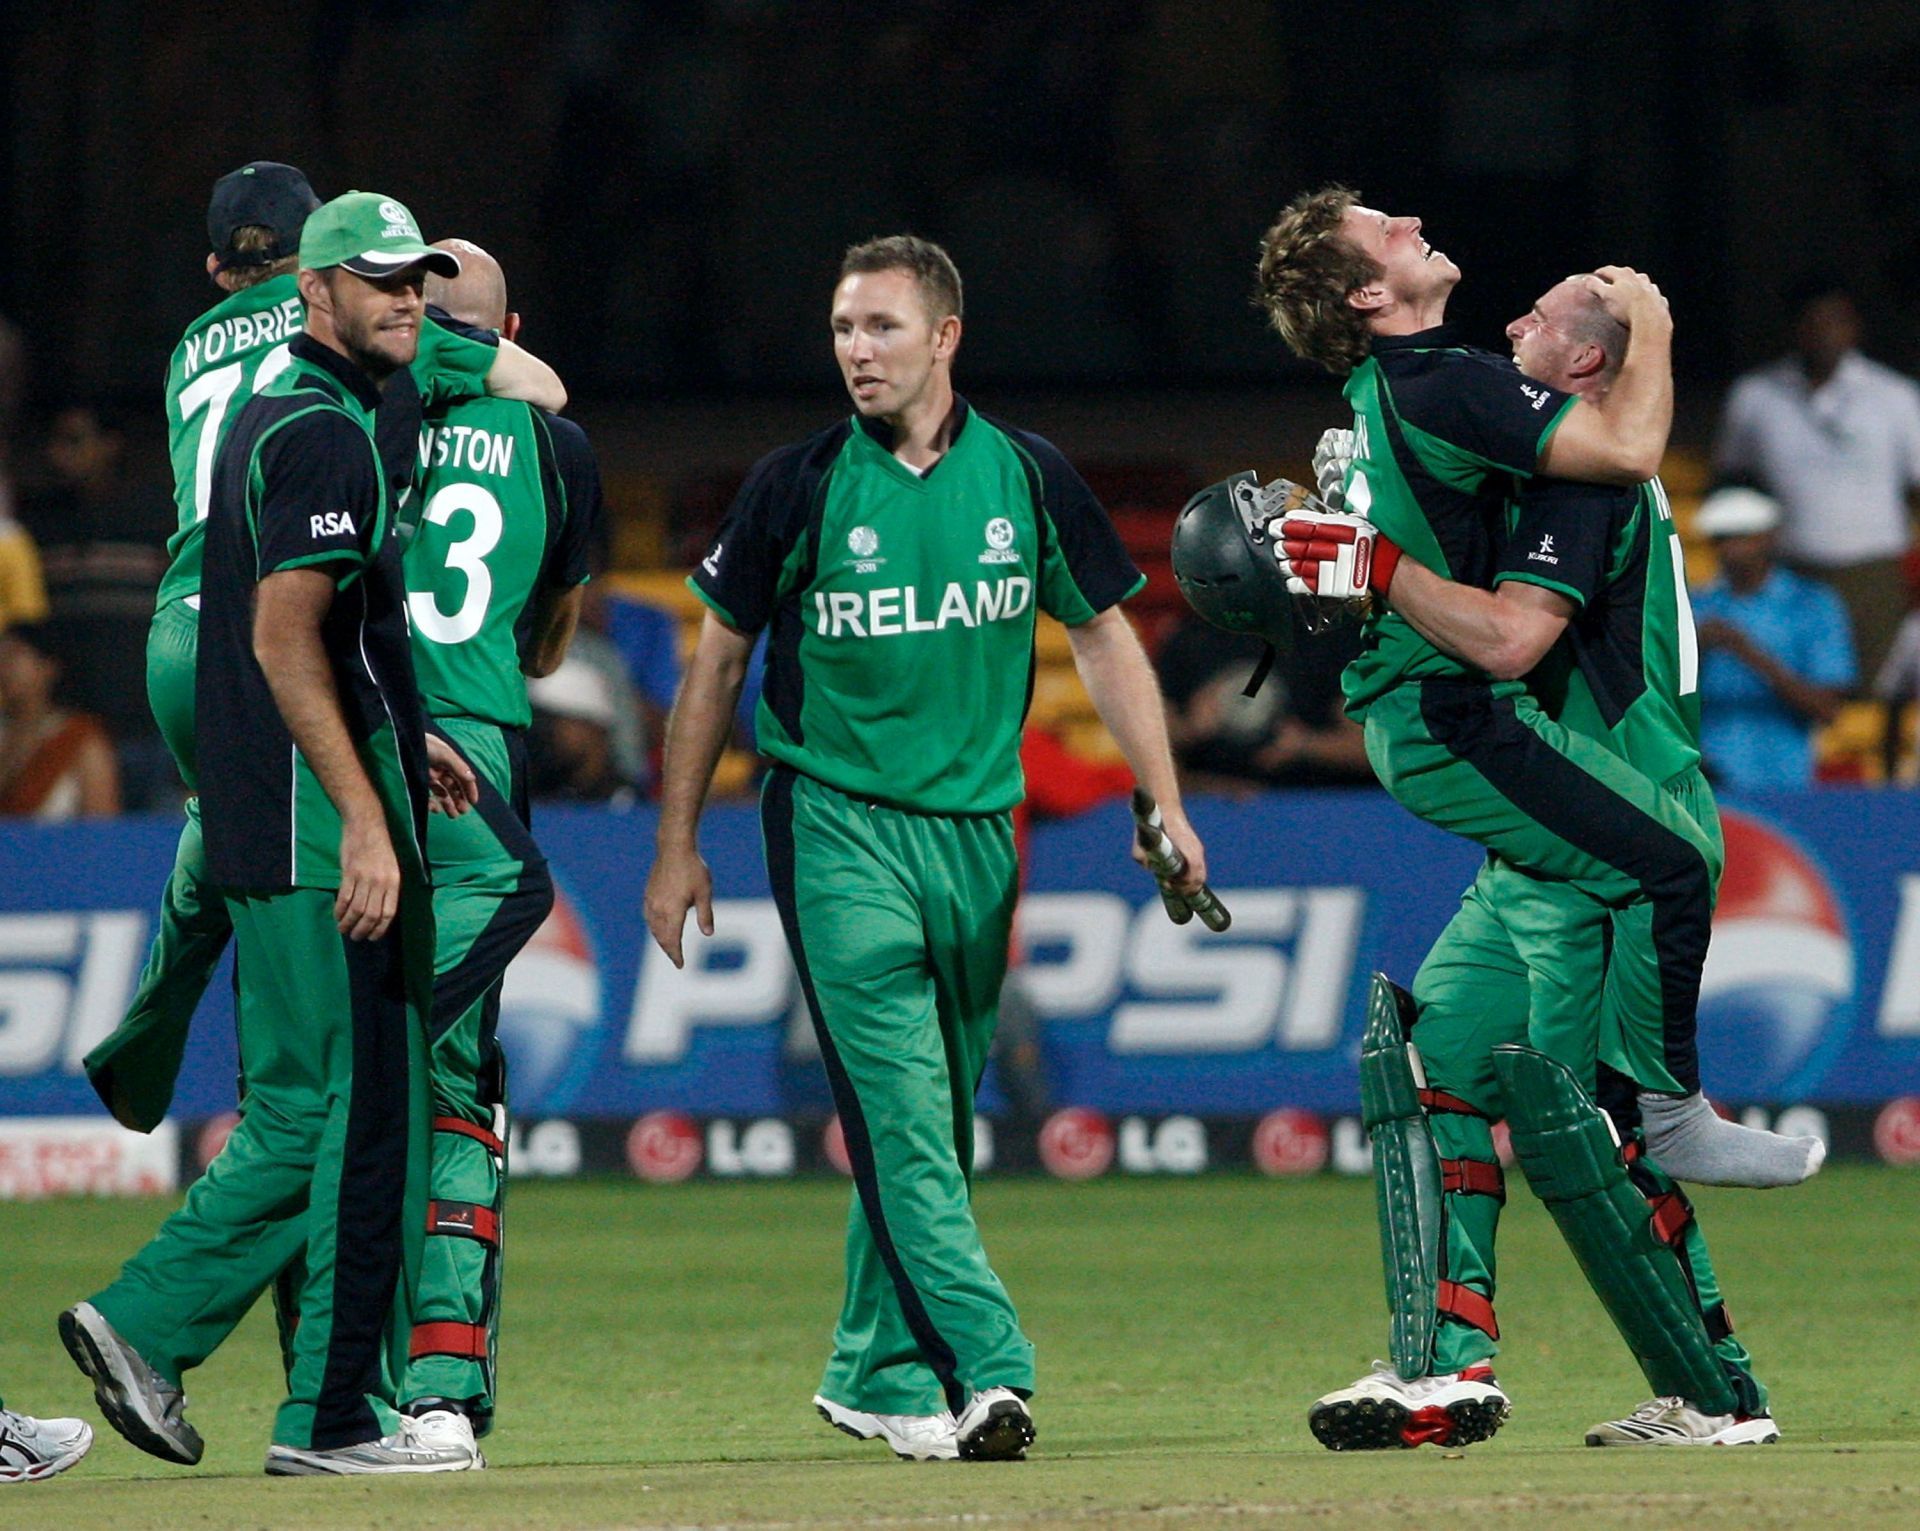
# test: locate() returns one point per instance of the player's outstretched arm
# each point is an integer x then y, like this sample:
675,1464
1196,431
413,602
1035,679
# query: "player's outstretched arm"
696,733
1505,632
1621,438
518,374
288,611
1117,675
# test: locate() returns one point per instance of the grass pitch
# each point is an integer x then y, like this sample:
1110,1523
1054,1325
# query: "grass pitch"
663,1343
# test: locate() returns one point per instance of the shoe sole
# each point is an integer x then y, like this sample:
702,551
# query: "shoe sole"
846,1428
291,1462
1594,1438
120,1396
1003,1436
35,1472
1381,1424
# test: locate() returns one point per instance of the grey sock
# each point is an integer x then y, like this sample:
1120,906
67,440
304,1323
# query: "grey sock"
1688,1140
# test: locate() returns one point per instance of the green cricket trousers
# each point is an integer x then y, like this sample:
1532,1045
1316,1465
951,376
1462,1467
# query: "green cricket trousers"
898,923
326,1166
491,892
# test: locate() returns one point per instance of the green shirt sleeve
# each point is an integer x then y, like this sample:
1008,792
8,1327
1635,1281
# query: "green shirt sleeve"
453,362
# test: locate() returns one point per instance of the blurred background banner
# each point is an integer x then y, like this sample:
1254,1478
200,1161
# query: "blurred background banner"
1812,990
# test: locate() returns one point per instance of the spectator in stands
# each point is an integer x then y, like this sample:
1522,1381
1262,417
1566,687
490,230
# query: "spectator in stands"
103,547
1293,732
23,591
572,745
1836,439
1897,684
54,763
1776,655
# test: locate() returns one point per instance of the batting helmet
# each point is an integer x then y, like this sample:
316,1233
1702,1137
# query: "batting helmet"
1225,563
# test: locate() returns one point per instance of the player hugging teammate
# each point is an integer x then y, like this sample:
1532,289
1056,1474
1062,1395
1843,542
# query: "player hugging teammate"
1526,678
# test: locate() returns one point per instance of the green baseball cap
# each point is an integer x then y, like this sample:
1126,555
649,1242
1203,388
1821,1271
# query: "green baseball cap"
370,235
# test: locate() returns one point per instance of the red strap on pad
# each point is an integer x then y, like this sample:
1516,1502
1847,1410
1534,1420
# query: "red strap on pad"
1461,1302
1473,1177
467,1129
467,1341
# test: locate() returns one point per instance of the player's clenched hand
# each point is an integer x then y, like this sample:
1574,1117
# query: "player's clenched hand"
1629,296
1187,843
369,893
678,882
452,788
1325,553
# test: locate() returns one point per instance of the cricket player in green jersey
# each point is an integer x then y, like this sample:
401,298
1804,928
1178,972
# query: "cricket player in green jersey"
1602,566
314,812
230,353
897,559
499,530
1441,434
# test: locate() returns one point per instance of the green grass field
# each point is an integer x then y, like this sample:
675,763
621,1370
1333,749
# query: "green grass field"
663,1342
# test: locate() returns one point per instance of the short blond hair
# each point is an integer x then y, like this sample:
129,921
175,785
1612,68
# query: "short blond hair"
1307,270
255,239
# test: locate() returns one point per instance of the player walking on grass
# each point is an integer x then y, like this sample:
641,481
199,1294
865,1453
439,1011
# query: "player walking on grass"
230,353
314,810
898,558
501,522
1440,433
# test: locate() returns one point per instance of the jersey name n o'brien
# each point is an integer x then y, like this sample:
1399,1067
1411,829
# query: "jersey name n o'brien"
242,333
890,612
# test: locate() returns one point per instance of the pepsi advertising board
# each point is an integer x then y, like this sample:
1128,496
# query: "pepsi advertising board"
1811,995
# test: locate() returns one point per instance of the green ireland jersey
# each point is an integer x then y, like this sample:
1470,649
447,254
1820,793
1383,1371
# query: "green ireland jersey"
232,352
298,483
1627,671
504,504
1441,430
901,606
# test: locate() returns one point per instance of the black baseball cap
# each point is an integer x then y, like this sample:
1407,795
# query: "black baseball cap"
264,193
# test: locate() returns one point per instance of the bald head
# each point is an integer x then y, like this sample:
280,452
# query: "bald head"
478,295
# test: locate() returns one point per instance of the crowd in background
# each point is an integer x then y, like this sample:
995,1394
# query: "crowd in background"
1814,605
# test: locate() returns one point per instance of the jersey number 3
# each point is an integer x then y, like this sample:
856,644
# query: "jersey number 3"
468,555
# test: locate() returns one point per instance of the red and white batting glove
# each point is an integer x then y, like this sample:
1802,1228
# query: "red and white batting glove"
1328,553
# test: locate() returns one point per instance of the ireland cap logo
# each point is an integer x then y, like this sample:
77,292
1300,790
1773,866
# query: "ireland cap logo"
864,541
999,533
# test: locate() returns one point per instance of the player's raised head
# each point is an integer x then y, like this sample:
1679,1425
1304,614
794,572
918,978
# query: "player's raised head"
1568,340
896,324
477,293
1334,273
254,219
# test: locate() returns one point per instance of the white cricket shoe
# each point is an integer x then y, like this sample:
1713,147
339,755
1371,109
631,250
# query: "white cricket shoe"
400,1452
32,1449
443,1430
1384,1410
138,1402
1675,1422
913,1437
995,1426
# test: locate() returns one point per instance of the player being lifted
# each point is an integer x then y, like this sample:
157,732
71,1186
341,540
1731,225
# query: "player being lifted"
898,558
1441,432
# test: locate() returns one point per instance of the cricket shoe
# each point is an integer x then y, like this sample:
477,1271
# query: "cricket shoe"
1675,1422
401,1452
1384,1410
32,1449
913,1437
137,1401
444,1430
995,1426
